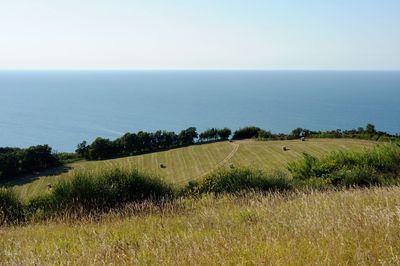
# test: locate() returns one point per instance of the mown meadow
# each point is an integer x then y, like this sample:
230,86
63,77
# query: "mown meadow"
194,162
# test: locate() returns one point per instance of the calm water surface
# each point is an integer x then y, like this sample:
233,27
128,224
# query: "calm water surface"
62,108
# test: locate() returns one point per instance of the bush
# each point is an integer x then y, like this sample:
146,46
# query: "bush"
373,166
97,192
11,208
39,206
362,176
66,157
235,180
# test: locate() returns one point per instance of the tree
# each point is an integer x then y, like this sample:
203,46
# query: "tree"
170,139
82,149
370,129
127,144
262,134
209,134
224,133
17,161
144,141
203,136
101,149
9,165
38,157
187,136
296,132
246,133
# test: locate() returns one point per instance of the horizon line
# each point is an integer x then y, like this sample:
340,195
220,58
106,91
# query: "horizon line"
197,69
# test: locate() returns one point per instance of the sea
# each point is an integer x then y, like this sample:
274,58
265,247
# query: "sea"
62,108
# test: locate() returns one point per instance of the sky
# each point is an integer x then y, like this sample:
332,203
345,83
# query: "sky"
202,34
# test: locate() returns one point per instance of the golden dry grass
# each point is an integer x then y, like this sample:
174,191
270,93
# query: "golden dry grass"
333,228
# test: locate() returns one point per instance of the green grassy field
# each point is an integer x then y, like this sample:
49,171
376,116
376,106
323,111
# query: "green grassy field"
193,162
353,227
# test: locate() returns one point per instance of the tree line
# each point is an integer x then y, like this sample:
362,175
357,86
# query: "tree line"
144,142
368,132
16,161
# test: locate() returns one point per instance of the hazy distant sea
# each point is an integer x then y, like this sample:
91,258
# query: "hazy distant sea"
62,108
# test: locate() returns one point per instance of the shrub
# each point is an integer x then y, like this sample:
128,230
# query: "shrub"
361,176
303,169
112,188
373,166
235,180
11,208
40,206
66,157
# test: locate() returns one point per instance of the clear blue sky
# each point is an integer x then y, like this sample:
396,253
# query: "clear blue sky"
172,34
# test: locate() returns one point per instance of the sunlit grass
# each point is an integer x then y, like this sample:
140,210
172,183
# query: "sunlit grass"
331,228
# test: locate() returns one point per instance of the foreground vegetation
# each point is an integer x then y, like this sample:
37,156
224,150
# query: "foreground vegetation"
331,228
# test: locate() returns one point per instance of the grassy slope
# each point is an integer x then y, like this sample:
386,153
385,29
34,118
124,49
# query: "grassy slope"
193,162
331,228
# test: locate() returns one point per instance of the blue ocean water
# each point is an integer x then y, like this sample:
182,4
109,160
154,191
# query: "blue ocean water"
62,108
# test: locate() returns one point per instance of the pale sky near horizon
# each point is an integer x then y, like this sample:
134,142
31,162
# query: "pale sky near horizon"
207,34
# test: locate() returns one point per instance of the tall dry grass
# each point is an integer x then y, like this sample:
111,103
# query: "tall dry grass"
331,228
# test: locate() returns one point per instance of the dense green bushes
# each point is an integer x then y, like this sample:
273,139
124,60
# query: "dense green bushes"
375,166
101,191
11,208
86,193
15,161
67,157
110,189
235,180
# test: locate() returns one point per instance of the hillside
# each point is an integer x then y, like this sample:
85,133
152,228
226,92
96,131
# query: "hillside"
193,162
353,227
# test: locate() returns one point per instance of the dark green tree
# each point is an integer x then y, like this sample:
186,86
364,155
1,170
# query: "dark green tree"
187,136
246,133
101,149
224,133
370,129
82,149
